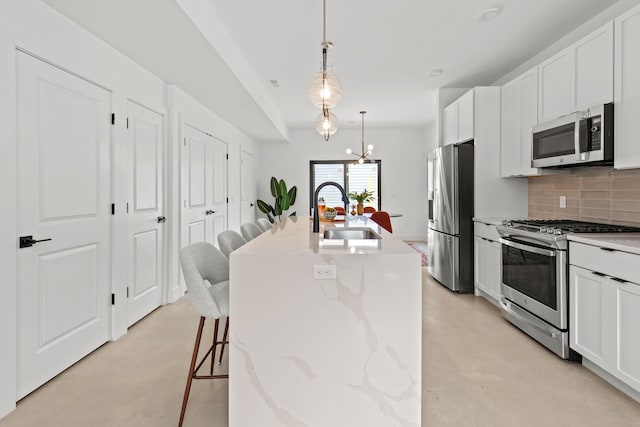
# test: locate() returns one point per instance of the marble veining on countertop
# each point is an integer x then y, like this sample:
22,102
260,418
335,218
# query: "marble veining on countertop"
295,237
626,242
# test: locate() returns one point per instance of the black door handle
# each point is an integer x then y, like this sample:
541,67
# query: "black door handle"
251,205
161,219
28,241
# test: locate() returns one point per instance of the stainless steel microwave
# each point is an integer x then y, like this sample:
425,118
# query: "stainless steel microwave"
580,138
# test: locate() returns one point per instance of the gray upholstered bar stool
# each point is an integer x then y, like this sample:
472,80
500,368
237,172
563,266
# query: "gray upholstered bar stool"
264,224
250,231
229,241
206,274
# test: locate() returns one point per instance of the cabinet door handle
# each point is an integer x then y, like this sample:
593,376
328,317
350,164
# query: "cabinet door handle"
597,273
608,249
161,219
619,280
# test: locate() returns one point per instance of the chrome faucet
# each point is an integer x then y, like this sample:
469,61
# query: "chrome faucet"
345,199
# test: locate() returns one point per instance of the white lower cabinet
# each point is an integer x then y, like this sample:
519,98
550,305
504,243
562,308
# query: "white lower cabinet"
626,346
604,305
590,315
487,262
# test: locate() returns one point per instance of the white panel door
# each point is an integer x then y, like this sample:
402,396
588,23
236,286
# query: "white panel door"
145,221
216,189
63,187
248,185
204,187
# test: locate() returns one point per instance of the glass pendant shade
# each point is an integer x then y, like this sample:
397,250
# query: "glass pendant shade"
326,126
325,89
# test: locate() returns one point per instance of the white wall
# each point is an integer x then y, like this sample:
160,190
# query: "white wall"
404,177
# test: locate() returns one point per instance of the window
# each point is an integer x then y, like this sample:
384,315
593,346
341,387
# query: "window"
353,177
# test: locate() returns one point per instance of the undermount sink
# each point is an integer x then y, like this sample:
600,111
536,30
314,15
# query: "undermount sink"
353,233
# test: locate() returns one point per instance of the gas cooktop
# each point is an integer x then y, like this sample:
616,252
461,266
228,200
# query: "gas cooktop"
566,226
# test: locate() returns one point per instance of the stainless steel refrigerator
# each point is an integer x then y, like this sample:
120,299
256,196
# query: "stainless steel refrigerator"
450,216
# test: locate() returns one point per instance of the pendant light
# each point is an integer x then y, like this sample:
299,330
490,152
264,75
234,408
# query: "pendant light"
325,89
364,154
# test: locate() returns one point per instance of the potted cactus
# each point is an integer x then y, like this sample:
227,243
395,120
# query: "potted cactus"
284,199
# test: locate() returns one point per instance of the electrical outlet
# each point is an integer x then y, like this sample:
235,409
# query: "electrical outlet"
324,272
563,201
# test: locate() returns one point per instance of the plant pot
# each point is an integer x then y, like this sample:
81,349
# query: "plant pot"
360,208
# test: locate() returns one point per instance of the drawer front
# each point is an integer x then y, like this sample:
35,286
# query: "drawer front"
487,231
617,264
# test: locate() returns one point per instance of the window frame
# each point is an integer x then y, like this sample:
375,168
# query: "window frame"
345,178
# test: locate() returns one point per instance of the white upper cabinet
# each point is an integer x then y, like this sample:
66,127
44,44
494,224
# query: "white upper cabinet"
465,117
627,90
579,77
458,120
519,112
555,91
593,56
450,129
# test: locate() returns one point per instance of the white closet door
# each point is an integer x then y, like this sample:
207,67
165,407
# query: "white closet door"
145,221
217,186
204,187
64,163
247,181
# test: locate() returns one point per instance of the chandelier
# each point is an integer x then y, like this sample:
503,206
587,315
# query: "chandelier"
364,154
325,88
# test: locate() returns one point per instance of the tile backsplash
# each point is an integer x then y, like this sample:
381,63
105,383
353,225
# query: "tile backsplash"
596,194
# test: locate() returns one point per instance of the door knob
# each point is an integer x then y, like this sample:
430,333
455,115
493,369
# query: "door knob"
28,241
161,219
251,205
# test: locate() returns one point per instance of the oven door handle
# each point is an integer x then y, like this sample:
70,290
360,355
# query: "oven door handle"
527,248
506,306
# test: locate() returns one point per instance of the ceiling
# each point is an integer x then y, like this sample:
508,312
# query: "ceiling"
225,53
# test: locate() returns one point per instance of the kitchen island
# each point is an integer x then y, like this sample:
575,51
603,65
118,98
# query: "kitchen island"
340,349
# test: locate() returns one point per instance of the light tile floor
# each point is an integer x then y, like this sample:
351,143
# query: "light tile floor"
478,370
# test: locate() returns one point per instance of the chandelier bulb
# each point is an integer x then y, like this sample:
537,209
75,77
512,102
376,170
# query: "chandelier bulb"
361,160
370,147
349,151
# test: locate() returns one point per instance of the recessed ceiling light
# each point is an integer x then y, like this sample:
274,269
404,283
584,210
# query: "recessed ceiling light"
274,83
490,14
436,72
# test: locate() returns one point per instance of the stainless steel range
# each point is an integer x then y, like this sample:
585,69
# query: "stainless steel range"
535,276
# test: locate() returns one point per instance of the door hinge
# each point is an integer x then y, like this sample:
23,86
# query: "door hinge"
227,157
127,122
113,118
185,142
227,200
113,208
127,292
113,299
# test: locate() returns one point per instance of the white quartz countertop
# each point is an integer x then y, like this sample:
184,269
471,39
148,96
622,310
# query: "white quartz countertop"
626,242
325,333
294,237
